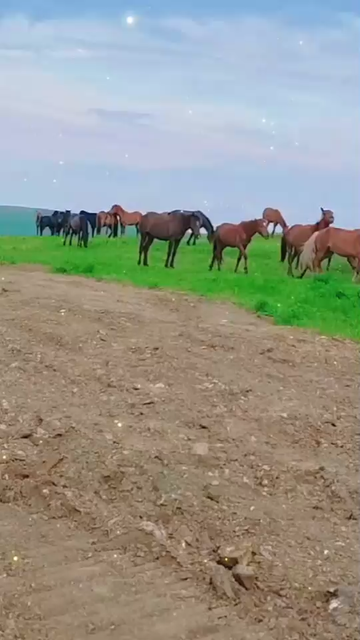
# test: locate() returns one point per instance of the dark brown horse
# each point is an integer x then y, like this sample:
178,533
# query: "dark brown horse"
323,244
273,216
170,227
126,218
107,220
237,236
295,237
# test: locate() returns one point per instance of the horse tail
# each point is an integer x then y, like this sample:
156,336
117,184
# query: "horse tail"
283,248
308,253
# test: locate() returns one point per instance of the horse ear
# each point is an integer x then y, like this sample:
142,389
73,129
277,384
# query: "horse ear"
322,210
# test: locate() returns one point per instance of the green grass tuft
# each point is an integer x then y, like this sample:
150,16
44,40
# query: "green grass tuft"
329,303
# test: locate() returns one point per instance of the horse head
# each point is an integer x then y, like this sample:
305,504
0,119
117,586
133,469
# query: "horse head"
262,227
327,215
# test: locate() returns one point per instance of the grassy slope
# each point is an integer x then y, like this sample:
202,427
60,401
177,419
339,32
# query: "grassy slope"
329,303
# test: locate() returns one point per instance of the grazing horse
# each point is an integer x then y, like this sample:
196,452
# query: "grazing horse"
170,227
295,237
126,218
323,244
76,225
107,220
91,218
46,222
237,236
273,216
205,223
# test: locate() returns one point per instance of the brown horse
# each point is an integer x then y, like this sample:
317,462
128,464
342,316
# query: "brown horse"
238,236
165,226
323,244
126,218
107,220
295,237
273,216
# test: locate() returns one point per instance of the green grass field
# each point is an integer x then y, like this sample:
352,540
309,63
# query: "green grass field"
329,304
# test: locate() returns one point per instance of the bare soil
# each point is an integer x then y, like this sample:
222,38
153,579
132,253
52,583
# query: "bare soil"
142,433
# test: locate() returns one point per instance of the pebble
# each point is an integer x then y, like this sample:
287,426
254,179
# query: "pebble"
245,576
200,449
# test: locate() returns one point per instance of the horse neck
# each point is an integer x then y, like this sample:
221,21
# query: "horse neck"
322,224
249,228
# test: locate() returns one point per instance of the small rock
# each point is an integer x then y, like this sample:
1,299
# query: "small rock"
245,576
159,385
213,493
229,557
221,582
200,449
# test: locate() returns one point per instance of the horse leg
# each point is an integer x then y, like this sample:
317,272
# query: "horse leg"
329,261
169,251
141,247
213,257
65,237
194,240
122,229
147,245
291,257
190,238
297,261
274,227
246,261
71,237
137,230
174,252
238,261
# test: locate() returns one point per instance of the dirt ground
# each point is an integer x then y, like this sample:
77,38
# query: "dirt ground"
146,435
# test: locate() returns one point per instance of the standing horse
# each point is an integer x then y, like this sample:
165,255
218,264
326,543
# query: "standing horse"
76,225
323,244
126,218
237,236
170,227
46,221
107,220
59,218
91,218
273,216
295,237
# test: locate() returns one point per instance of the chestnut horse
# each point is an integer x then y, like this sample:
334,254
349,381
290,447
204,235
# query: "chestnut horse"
126,218
165,226
237,236
273,216
295,237
323,244
107,220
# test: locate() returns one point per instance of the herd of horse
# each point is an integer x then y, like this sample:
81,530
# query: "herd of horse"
308,244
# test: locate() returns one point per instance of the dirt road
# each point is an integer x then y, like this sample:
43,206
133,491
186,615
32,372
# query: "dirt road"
139,432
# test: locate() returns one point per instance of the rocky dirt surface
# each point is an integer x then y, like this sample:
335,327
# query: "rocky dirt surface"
172,469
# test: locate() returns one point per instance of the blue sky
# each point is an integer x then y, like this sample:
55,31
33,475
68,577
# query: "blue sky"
226,107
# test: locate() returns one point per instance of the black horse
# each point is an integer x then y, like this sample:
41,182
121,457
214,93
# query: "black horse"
205,224
75,224
46,222
59,218
170,226
91,218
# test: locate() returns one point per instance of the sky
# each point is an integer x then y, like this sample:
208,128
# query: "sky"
225,107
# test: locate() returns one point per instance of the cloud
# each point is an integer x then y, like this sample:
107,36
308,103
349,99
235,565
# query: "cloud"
117,116
176,93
